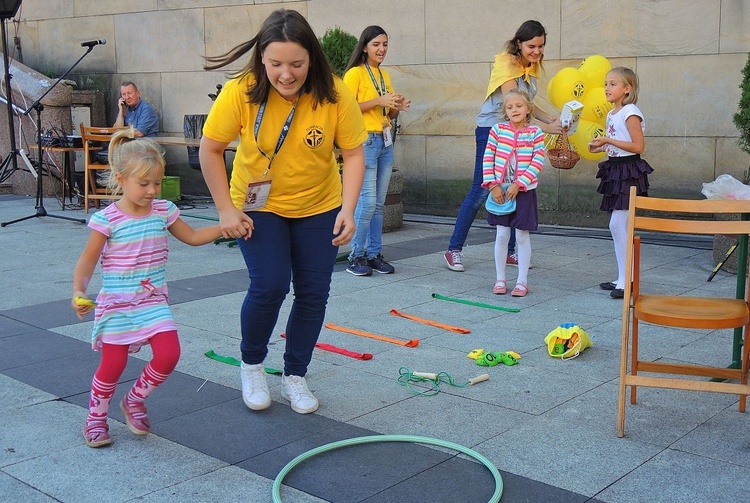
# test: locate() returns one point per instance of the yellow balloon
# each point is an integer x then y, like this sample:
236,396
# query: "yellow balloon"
586,132
567,85
550,86
596,106
594,70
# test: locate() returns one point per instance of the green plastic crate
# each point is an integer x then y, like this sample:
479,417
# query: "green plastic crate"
170,188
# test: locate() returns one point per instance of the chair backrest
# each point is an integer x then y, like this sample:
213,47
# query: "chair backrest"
688,216
93,133
685,216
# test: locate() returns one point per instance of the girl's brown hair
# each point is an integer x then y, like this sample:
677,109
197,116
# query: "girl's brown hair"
528,30
359,56
281,26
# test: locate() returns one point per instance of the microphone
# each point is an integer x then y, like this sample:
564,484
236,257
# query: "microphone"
92,43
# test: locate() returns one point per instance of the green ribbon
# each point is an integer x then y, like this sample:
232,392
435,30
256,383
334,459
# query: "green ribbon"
477,304
234,361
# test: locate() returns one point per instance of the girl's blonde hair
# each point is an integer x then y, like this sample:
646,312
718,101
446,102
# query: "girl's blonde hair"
629,78
129,156
523,94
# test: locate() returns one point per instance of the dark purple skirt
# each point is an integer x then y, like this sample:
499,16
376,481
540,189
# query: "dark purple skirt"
617,175
526,216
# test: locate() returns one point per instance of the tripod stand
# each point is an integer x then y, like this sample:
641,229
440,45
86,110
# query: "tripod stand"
37,105
5,170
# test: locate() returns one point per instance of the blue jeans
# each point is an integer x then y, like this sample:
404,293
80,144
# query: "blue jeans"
475,198
283,250
368,217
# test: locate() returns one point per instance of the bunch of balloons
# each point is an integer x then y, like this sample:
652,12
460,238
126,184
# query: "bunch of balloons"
584,84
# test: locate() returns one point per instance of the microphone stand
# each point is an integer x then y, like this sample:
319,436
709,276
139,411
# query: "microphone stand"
37,105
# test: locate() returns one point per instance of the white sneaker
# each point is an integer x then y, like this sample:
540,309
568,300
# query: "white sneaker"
294,389
254,386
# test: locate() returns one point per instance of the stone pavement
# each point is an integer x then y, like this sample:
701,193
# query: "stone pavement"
547,425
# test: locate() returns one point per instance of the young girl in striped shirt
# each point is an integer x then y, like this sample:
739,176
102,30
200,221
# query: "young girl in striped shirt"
513,158
130,238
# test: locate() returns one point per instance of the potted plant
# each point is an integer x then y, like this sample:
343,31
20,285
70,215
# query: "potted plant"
722,244
338,45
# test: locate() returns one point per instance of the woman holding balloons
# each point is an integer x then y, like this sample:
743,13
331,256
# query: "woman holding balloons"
519,66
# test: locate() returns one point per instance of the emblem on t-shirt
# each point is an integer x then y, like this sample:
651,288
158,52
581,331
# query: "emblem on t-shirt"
314,137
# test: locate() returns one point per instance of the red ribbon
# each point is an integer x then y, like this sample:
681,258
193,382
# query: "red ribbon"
341,351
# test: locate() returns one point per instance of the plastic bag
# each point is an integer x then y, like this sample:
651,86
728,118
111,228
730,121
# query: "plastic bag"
726,187
567,341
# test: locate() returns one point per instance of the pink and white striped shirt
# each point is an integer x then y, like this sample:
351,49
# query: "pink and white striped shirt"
503,144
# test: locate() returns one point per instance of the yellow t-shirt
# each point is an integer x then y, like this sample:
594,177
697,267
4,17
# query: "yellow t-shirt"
304,175
359,81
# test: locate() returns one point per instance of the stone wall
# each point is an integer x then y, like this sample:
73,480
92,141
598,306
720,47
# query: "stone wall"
688,54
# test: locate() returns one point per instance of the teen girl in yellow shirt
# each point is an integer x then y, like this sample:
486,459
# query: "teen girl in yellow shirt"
284,203
379,104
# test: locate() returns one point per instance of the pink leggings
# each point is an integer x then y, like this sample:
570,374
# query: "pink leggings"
164,345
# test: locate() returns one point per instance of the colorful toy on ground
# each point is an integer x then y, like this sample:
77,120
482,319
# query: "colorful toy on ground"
491,359
567,341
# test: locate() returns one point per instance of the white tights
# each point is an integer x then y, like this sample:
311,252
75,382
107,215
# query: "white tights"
618,227
523,249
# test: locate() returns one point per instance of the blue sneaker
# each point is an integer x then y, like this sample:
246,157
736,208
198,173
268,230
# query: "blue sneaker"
359,267
378,264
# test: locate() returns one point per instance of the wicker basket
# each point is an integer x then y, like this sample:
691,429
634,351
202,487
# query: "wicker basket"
561,156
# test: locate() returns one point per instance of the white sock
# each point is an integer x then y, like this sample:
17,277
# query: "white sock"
523,248
618,227
501,250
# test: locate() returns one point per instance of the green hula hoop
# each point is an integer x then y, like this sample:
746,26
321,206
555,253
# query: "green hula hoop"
276,495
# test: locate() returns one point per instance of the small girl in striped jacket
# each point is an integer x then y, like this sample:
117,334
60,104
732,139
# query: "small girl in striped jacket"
513,158
130,237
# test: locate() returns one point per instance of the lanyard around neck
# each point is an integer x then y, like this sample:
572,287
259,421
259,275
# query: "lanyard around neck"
381,90
282,135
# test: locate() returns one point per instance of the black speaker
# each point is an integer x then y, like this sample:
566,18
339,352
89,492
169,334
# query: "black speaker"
8,8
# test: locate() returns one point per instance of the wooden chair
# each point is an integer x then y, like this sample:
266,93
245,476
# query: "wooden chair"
91,192
703,313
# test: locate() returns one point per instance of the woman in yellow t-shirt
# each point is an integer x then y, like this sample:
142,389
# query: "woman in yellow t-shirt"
284,203
379,104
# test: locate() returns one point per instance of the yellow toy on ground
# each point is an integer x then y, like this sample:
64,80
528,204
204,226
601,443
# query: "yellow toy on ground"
567,341
491,359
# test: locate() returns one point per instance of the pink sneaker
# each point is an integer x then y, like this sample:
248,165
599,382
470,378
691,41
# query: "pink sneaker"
96,433
136,417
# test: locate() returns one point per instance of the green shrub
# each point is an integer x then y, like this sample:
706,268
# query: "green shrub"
338,46
742,117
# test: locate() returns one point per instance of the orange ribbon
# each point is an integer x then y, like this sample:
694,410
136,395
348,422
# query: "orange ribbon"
409,344
431,322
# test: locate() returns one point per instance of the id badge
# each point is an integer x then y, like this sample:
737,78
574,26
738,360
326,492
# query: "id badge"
387,137
256,195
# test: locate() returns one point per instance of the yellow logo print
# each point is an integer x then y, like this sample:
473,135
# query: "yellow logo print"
314,137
